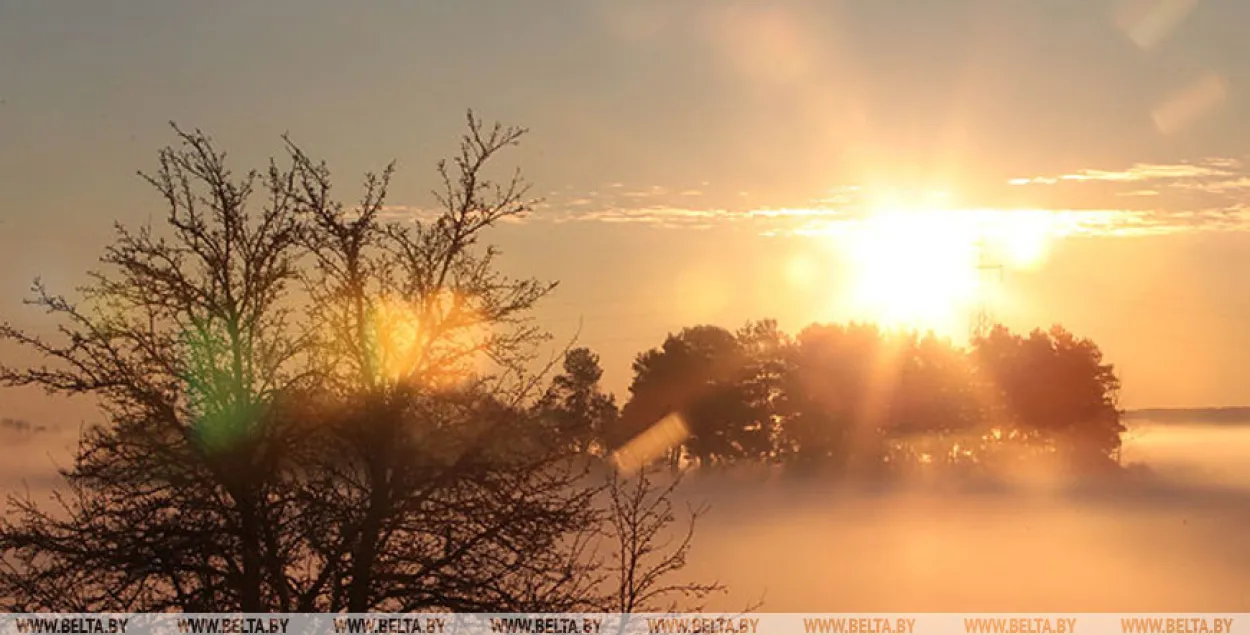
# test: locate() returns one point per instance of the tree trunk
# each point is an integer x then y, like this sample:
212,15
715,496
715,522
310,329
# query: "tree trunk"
250,589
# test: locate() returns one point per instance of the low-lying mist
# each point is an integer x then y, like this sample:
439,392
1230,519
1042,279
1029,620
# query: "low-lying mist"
1170,540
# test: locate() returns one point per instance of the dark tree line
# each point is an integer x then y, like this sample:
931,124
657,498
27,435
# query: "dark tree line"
857,398
311,408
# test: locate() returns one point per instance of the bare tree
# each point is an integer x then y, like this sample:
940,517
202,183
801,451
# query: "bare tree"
443,488
186,341
311,407
650,547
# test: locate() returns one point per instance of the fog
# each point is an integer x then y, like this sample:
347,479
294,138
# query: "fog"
1176,541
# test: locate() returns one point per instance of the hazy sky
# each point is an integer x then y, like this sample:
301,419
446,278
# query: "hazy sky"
694,156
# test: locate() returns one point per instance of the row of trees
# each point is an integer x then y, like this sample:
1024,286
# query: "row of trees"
854,397
311,408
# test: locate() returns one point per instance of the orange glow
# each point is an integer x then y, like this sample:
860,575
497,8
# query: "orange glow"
924,268
403,352
397,338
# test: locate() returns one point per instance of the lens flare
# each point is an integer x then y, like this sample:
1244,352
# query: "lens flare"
651,444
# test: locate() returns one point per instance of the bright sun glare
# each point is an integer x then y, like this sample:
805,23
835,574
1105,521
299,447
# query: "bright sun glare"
923,268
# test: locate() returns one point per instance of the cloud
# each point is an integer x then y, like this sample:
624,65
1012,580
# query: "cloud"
1226,178
651,192
408,212
1141,199
659,215
684,217
1142,172
820,221
1234,218
796,213
1218,185
844,195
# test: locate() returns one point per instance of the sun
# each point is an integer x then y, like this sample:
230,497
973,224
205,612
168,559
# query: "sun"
912,269
925,268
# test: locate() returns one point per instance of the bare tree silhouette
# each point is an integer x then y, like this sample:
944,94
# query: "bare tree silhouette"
187,342
310,408
444,489
648,546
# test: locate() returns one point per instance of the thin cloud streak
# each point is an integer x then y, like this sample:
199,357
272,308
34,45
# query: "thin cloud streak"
1141,200
1239,183
1220,176
823,221
1142,172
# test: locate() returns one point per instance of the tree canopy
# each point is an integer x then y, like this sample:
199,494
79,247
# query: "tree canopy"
854,396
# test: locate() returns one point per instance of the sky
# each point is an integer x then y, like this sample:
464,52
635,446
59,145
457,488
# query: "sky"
703,162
